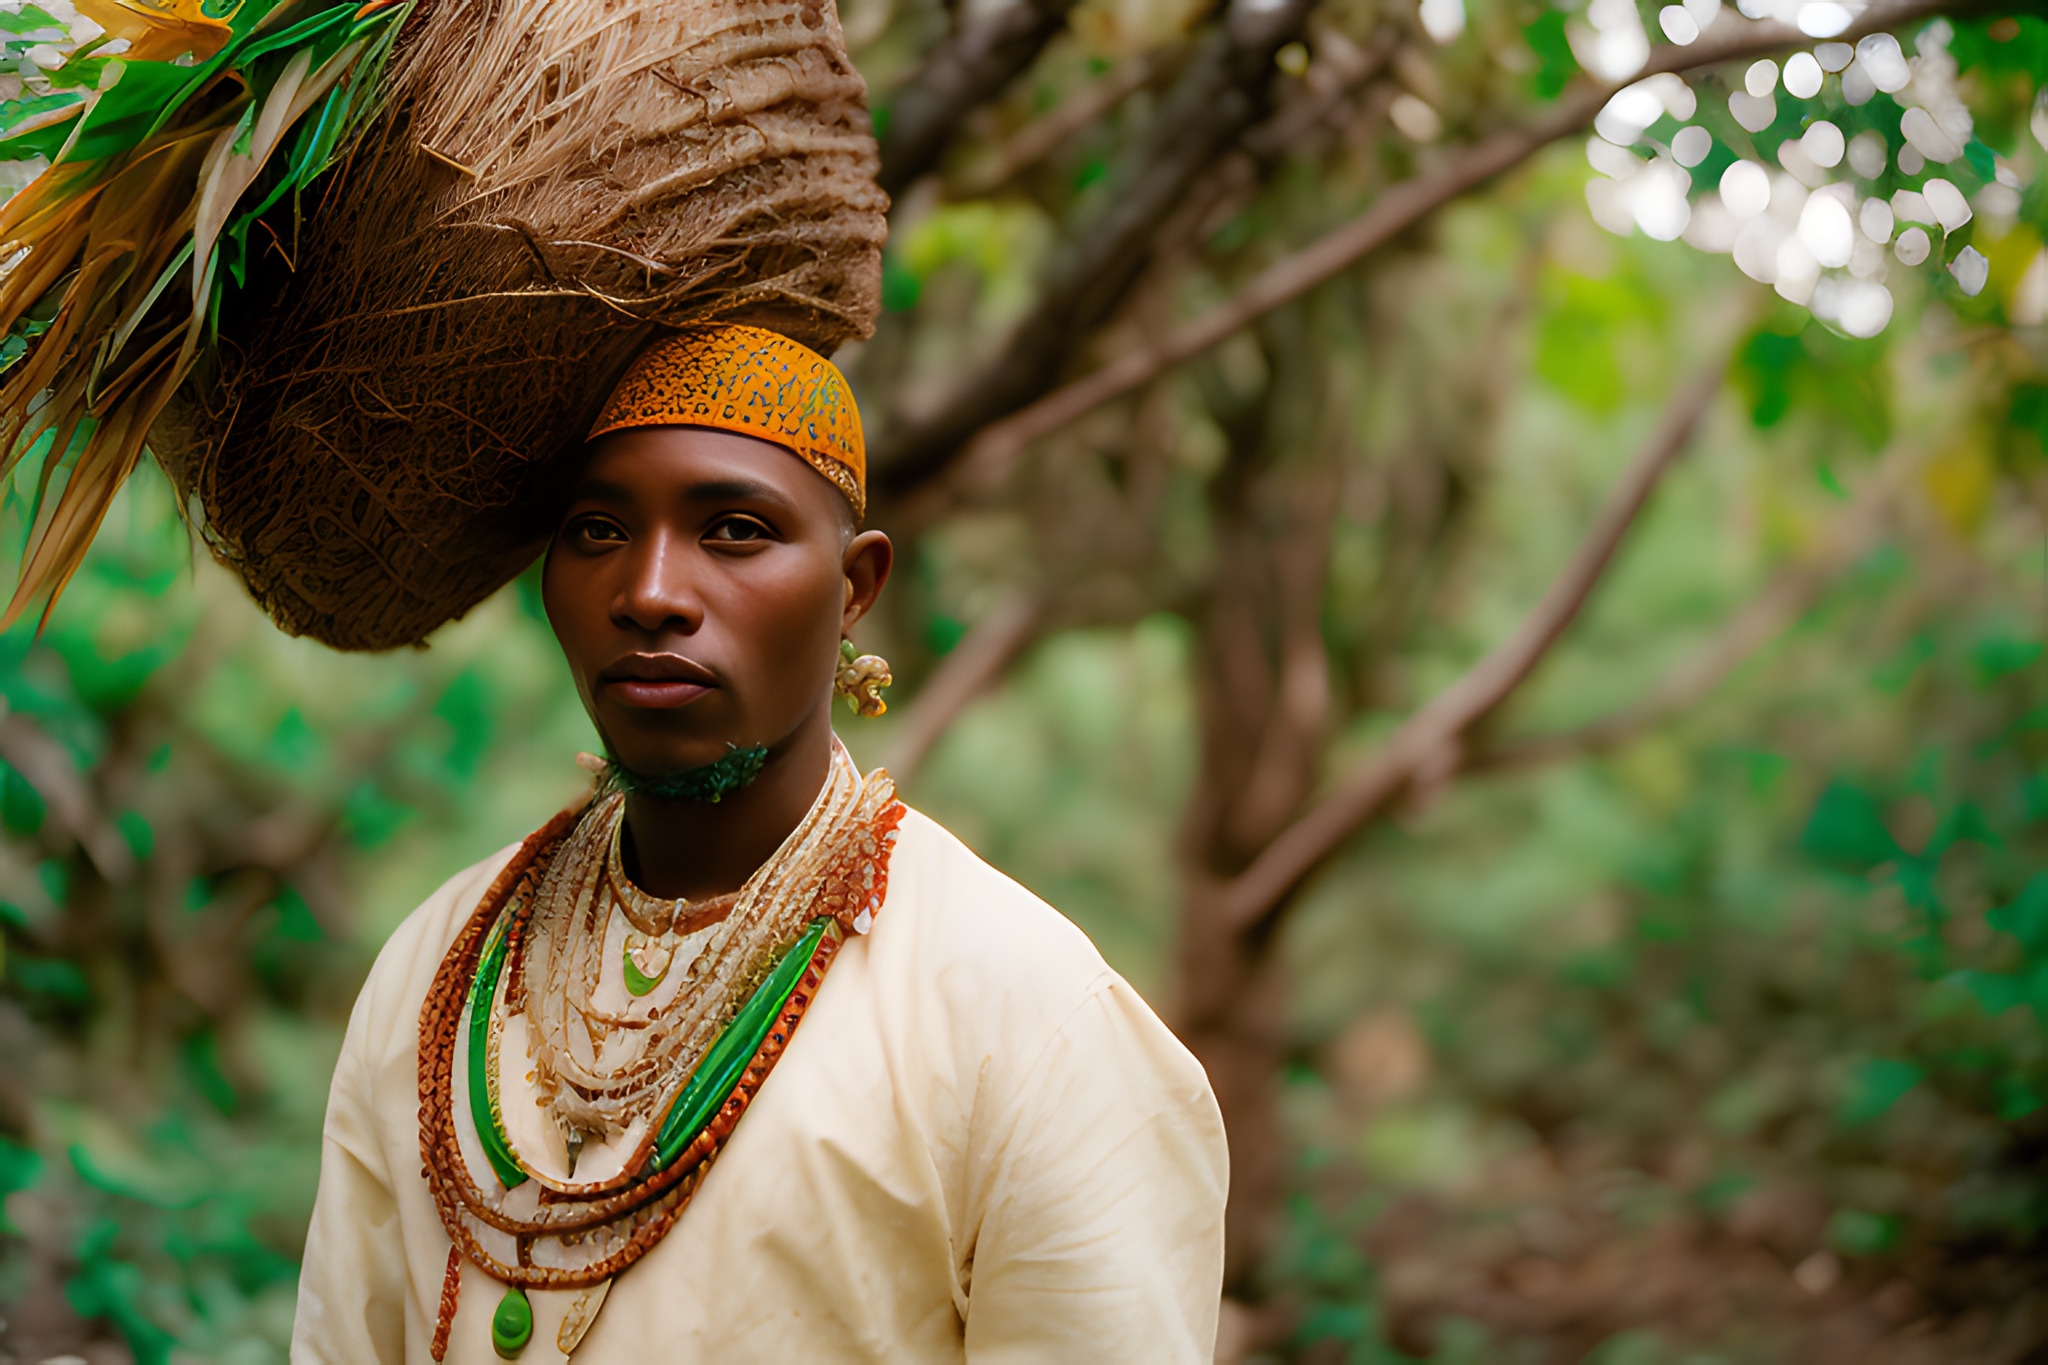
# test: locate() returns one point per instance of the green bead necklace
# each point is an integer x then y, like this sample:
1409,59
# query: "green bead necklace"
700,1099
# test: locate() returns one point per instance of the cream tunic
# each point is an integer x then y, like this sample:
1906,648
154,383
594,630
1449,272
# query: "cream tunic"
980,1146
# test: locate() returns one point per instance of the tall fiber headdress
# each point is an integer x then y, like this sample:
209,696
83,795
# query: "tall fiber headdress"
359,274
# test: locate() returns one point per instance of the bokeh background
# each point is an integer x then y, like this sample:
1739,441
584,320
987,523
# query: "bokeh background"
1491,554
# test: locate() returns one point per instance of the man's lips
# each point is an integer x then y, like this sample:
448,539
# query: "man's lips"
657,681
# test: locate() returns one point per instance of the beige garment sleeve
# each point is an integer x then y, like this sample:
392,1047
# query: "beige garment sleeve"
352,1285
1102,1234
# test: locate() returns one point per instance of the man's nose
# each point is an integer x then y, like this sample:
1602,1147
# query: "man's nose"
659,591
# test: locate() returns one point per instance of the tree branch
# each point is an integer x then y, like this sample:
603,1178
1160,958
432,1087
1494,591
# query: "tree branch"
48,768
1392,214
1221,92
980,657
1426,743
973,65
1768,616
1044,136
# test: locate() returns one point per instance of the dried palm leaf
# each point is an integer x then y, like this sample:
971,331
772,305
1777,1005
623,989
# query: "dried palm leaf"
167,168
366,392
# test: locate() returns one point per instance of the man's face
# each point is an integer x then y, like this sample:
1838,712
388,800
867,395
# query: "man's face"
699,585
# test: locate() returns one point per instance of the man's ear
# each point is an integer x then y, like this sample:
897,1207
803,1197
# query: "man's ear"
869,557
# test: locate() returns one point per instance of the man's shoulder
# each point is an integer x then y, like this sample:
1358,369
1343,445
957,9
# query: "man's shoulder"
968,928
999,992
406,964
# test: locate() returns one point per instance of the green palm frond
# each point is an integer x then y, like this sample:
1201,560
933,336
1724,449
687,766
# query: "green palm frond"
118,255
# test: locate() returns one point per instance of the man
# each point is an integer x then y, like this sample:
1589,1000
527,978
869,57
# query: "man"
743,1060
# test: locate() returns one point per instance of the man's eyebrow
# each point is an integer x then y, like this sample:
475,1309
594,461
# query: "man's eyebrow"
734,490
710,490
599,490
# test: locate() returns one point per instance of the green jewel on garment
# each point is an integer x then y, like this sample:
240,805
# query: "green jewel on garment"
512,1324
647,964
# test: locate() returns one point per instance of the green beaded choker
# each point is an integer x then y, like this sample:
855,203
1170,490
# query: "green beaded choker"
709,784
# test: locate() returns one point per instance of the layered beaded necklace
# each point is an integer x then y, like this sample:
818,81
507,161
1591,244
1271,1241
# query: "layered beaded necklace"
646,1026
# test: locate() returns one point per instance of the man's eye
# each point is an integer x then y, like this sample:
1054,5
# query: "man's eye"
739,529
598,530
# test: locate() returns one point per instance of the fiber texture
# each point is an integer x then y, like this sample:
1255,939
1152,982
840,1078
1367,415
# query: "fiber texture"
378,441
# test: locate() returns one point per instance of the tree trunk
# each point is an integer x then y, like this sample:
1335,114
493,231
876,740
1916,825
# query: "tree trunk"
1262,694
1232,1016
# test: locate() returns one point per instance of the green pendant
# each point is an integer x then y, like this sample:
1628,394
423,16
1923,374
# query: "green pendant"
512,1324
637,981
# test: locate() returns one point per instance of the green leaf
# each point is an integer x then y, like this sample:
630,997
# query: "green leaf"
2026,917
2017,1099
1995,992
52,977
2023,51
20,1168
1765,363
1555,64
245,131
36,109
1847,830
1581,331
901,288
1792,364
1874,1088
295,919
202,1066
1964,824
466,709
108,1287
2027,414
31,19
294,745
370,817
942,633
126,114
137,834
1854,1232
1982,159
2000,656
44,124
83,73
22,808
1915,879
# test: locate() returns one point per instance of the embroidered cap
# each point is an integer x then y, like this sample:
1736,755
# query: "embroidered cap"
753,382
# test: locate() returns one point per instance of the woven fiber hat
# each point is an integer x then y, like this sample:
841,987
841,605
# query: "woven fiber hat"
366,366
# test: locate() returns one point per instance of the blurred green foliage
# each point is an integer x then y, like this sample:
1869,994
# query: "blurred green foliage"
1722,1039
209,830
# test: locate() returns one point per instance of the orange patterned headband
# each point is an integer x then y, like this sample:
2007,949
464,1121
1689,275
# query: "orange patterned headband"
753,382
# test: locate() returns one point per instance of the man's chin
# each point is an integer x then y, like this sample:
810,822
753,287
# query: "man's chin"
730,769
666,743
661,765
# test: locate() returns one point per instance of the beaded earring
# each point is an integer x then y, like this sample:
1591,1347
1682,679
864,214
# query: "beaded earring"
860,680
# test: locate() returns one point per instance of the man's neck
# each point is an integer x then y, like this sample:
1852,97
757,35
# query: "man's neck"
700,848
